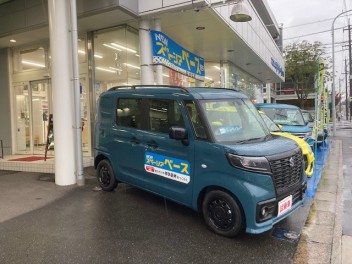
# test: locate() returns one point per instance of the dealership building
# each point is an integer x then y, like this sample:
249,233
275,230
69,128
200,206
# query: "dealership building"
57,57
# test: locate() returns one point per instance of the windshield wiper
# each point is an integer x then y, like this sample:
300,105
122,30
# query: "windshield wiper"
249,139
241,141
281,115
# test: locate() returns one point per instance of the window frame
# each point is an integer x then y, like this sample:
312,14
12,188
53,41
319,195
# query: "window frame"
145,116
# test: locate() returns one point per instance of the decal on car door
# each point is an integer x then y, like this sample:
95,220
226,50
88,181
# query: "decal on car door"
168,167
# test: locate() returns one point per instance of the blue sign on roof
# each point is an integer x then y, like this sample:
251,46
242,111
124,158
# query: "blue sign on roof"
169,53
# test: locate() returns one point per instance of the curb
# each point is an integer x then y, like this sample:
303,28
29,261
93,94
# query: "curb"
320,241
336,253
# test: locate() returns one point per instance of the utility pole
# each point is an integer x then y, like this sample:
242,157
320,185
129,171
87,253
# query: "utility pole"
340,95
349,51
346,89
333,72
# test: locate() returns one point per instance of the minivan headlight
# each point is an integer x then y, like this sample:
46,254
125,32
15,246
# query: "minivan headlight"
257,164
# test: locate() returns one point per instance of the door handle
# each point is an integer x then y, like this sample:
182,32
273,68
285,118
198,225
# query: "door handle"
135,141
152,144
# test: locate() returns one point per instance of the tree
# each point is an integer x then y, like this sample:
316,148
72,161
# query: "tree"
301,67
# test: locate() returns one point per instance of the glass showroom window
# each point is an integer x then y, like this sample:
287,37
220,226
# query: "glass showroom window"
172,77
30,58
235,78
116,58
212,74
81,44
212,77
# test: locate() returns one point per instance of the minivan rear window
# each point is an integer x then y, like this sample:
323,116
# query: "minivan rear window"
164,114
156,115
128,112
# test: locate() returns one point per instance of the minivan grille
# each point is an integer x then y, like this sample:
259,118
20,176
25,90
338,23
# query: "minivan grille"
286,170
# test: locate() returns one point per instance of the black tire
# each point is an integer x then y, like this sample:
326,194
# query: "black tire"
222,213
105,176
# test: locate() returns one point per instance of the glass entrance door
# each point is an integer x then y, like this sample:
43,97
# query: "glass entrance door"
40,99
33,105
22,115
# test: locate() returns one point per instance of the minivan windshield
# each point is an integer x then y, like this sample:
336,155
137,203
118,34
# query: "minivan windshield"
270,123
284,116
234,120
307,117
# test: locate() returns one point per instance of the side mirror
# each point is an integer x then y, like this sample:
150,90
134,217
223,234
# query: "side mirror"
179,133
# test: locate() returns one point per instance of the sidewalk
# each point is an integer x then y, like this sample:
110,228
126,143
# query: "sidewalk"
322,239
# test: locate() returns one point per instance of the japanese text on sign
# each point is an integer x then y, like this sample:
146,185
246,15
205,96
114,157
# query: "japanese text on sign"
277,67
171,168
172,55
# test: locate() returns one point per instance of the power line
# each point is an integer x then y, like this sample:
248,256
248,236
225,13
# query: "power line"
341,50
313,22
342,43
315,33
309,23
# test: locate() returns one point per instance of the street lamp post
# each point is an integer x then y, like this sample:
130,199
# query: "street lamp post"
333,74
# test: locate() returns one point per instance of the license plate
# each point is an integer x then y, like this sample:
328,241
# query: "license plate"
284,205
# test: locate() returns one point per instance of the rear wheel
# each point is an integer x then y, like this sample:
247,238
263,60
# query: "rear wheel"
105,176
222,213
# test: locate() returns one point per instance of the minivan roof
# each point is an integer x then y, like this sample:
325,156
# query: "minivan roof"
266,105
196,92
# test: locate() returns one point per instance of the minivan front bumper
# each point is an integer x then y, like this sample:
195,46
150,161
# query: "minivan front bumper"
266,222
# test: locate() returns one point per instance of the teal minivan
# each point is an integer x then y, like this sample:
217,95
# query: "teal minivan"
289,117
207,149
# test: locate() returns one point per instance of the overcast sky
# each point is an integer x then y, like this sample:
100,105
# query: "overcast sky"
299,16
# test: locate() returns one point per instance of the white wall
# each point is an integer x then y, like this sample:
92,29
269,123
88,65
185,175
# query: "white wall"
155,5
255,35
5,106
130,5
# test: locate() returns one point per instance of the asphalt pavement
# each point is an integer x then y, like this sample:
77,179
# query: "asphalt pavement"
44,223
41,222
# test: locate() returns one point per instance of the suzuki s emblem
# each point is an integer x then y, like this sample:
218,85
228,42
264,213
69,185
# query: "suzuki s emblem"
292,162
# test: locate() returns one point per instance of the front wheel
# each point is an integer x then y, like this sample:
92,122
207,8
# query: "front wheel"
105,176
222,213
